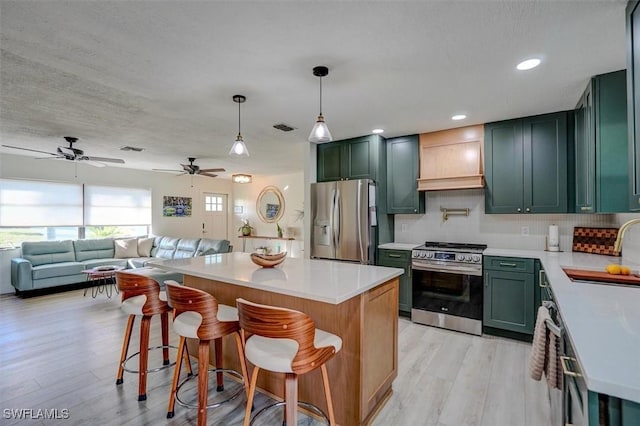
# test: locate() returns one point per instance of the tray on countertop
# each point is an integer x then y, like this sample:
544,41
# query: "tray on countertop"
604,277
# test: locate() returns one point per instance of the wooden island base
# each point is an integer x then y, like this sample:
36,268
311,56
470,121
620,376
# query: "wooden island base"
360,374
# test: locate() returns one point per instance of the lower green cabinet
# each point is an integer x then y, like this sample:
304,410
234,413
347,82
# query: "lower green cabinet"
399,259
509,294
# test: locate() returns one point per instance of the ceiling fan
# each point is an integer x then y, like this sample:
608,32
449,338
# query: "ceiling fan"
73,154
193,169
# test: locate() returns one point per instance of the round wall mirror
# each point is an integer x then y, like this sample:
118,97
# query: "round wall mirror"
270,204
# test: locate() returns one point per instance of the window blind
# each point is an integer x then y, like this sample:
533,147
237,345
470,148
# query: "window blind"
36,203
108,205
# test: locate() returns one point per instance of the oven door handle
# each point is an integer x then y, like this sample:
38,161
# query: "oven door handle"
458,270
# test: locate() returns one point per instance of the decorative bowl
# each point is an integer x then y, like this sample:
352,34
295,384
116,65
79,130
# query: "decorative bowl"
268,260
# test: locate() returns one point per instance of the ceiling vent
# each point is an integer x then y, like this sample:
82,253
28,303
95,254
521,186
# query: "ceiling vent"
131,148
284,127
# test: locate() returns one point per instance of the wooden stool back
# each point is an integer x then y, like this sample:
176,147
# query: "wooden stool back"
282,323
131,285
184,299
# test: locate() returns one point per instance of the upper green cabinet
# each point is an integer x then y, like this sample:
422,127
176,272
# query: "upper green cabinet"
601,150
633,101
403,196
356,158
526,164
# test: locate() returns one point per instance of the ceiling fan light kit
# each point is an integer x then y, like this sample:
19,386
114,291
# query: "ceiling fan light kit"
320,132
242,178
238,148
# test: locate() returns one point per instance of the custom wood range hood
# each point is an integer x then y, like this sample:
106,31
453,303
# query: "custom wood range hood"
452,159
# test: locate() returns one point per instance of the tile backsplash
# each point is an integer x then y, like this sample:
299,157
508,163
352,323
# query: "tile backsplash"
520,231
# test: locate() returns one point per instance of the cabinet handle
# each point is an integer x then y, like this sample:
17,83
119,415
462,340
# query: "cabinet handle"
394,255
519,210
513,265
486,279
586,208
528,210
565,367
541,279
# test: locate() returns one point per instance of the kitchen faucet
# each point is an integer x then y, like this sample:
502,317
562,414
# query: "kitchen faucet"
617,246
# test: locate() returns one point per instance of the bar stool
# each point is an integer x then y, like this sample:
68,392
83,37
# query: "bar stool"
285,341
199,316
141,296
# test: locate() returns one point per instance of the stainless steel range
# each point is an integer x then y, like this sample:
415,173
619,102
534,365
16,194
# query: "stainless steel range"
447,286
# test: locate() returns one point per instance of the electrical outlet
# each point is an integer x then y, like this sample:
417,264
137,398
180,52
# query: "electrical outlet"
524,231
403,227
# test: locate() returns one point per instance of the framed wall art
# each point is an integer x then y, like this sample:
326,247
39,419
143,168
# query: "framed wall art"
176,206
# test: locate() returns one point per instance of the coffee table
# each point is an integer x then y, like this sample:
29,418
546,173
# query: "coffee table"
103,280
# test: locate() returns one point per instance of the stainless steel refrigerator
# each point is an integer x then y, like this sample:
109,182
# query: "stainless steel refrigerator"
343,217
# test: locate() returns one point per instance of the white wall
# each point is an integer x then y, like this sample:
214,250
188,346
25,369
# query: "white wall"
292,187
501,230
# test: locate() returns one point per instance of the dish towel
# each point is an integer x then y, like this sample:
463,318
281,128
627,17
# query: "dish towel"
545,352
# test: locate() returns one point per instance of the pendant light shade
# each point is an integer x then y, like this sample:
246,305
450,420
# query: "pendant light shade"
320,132
239,149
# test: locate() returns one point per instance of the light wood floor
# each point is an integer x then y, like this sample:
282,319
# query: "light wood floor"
60,351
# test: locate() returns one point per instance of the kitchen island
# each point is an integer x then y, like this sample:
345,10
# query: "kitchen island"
359,303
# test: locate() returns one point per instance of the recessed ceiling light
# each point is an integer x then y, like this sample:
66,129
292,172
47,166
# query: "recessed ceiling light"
458,117
377,131
528,64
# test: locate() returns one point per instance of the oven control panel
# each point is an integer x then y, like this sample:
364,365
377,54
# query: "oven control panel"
446,256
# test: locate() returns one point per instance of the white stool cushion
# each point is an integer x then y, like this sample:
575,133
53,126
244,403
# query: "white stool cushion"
187,323
277,354
133,305
162,296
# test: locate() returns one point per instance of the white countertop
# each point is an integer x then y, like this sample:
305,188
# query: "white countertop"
398,246
602,321
320,280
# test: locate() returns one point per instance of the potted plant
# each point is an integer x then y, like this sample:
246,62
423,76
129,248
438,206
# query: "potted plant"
280,232
245,228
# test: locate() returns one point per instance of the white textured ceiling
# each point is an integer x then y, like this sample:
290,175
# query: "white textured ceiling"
161,74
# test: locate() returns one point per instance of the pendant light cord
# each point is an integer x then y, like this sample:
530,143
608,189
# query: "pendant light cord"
320,95
238,118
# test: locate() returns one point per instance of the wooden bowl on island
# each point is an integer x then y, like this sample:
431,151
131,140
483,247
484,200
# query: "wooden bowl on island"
268,260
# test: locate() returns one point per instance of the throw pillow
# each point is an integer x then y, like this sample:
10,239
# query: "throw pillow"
126,249
144,247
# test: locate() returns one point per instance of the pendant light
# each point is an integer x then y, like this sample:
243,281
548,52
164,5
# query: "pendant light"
320,132
239,148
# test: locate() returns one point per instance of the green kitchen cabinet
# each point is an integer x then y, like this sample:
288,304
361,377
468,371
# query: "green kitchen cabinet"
399,259
356,158
403,170
526,164
633,101
509,299
601,149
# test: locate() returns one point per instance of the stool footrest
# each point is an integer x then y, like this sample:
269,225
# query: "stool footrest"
217,404
306,405
165,364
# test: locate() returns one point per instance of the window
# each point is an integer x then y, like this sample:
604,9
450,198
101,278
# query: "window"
213,203
37,211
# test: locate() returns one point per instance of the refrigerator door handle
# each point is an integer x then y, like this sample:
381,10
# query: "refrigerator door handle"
359,222
336,219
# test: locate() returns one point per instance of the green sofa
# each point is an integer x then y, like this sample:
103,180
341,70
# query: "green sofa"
56,263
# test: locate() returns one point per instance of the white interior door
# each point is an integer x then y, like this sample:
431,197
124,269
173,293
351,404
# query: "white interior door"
215,216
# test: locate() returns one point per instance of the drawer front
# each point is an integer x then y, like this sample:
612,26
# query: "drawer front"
387,256
513,264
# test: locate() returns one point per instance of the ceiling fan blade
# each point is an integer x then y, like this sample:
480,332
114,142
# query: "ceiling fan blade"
207,174
94,163
32,150
104,159
212,170
167,170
